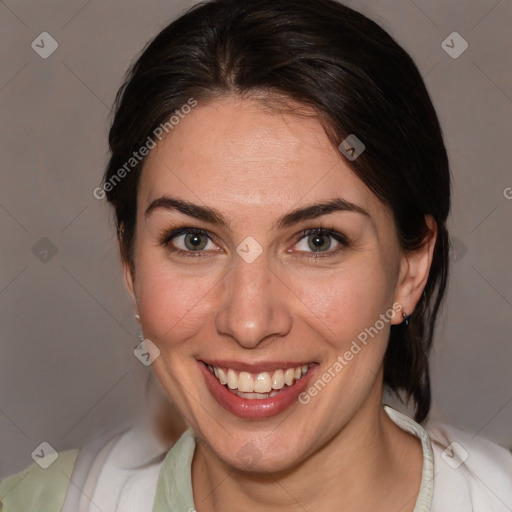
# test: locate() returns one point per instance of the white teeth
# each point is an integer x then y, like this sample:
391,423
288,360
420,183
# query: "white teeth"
232,379
278,379
222,377
252,395
289,376
261,385
245,382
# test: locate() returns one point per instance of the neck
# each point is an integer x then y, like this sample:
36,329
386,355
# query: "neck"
370,463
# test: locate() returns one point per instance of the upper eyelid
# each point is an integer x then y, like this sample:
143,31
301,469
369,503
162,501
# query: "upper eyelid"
167,235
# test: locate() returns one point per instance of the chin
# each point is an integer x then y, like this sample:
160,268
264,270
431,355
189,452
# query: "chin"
253,456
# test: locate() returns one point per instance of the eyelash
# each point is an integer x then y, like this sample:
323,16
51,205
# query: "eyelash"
167,236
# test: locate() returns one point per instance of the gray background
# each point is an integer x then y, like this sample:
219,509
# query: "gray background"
67,370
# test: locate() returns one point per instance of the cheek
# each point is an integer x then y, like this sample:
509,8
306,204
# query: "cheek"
342,305
172,306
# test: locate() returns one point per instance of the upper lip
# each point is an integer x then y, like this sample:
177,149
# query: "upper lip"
255,366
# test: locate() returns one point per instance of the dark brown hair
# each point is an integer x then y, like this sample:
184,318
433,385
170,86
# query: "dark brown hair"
357,79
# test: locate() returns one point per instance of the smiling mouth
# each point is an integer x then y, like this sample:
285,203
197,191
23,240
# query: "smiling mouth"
258,385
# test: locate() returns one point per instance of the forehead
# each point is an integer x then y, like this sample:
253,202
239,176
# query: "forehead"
242,158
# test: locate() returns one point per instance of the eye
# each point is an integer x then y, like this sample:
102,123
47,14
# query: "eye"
189,240
320,240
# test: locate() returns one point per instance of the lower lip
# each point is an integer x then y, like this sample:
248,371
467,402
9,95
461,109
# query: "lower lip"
256,408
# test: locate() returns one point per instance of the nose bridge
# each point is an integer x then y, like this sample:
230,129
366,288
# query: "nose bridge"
252,308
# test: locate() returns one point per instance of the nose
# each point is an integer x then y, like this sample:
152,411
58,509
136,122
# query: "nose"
253,304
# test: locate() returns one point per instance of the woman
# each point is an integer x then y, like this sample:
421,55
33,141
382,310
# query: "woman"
281,190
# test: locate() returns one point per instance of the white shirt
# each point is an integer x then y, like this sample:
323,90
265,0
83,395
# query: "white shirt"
120,471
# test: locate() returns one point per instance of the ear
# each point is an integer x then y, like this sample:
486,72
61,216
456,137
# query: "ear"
130,285
128,279
414,271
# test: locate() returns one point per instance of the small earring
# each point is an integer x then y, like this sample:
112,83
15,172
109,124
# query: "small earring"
137,316
141,335
406,318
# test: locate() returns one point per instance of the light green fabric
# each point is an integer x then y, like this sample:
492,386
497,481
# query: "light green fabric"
36,489
174,486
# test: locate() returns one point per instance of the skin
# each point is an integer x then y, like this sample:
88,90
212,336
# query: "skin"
168,424
254,166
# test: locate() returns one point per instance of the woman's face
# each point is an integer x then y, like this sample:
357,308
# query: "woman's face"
261,255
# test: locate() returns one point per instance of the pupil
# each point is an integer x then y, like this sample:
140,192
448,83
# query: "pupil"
319,242
194,241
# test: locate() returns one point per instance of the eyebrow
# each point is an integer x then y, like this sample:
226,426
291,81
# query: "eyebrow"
213,216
